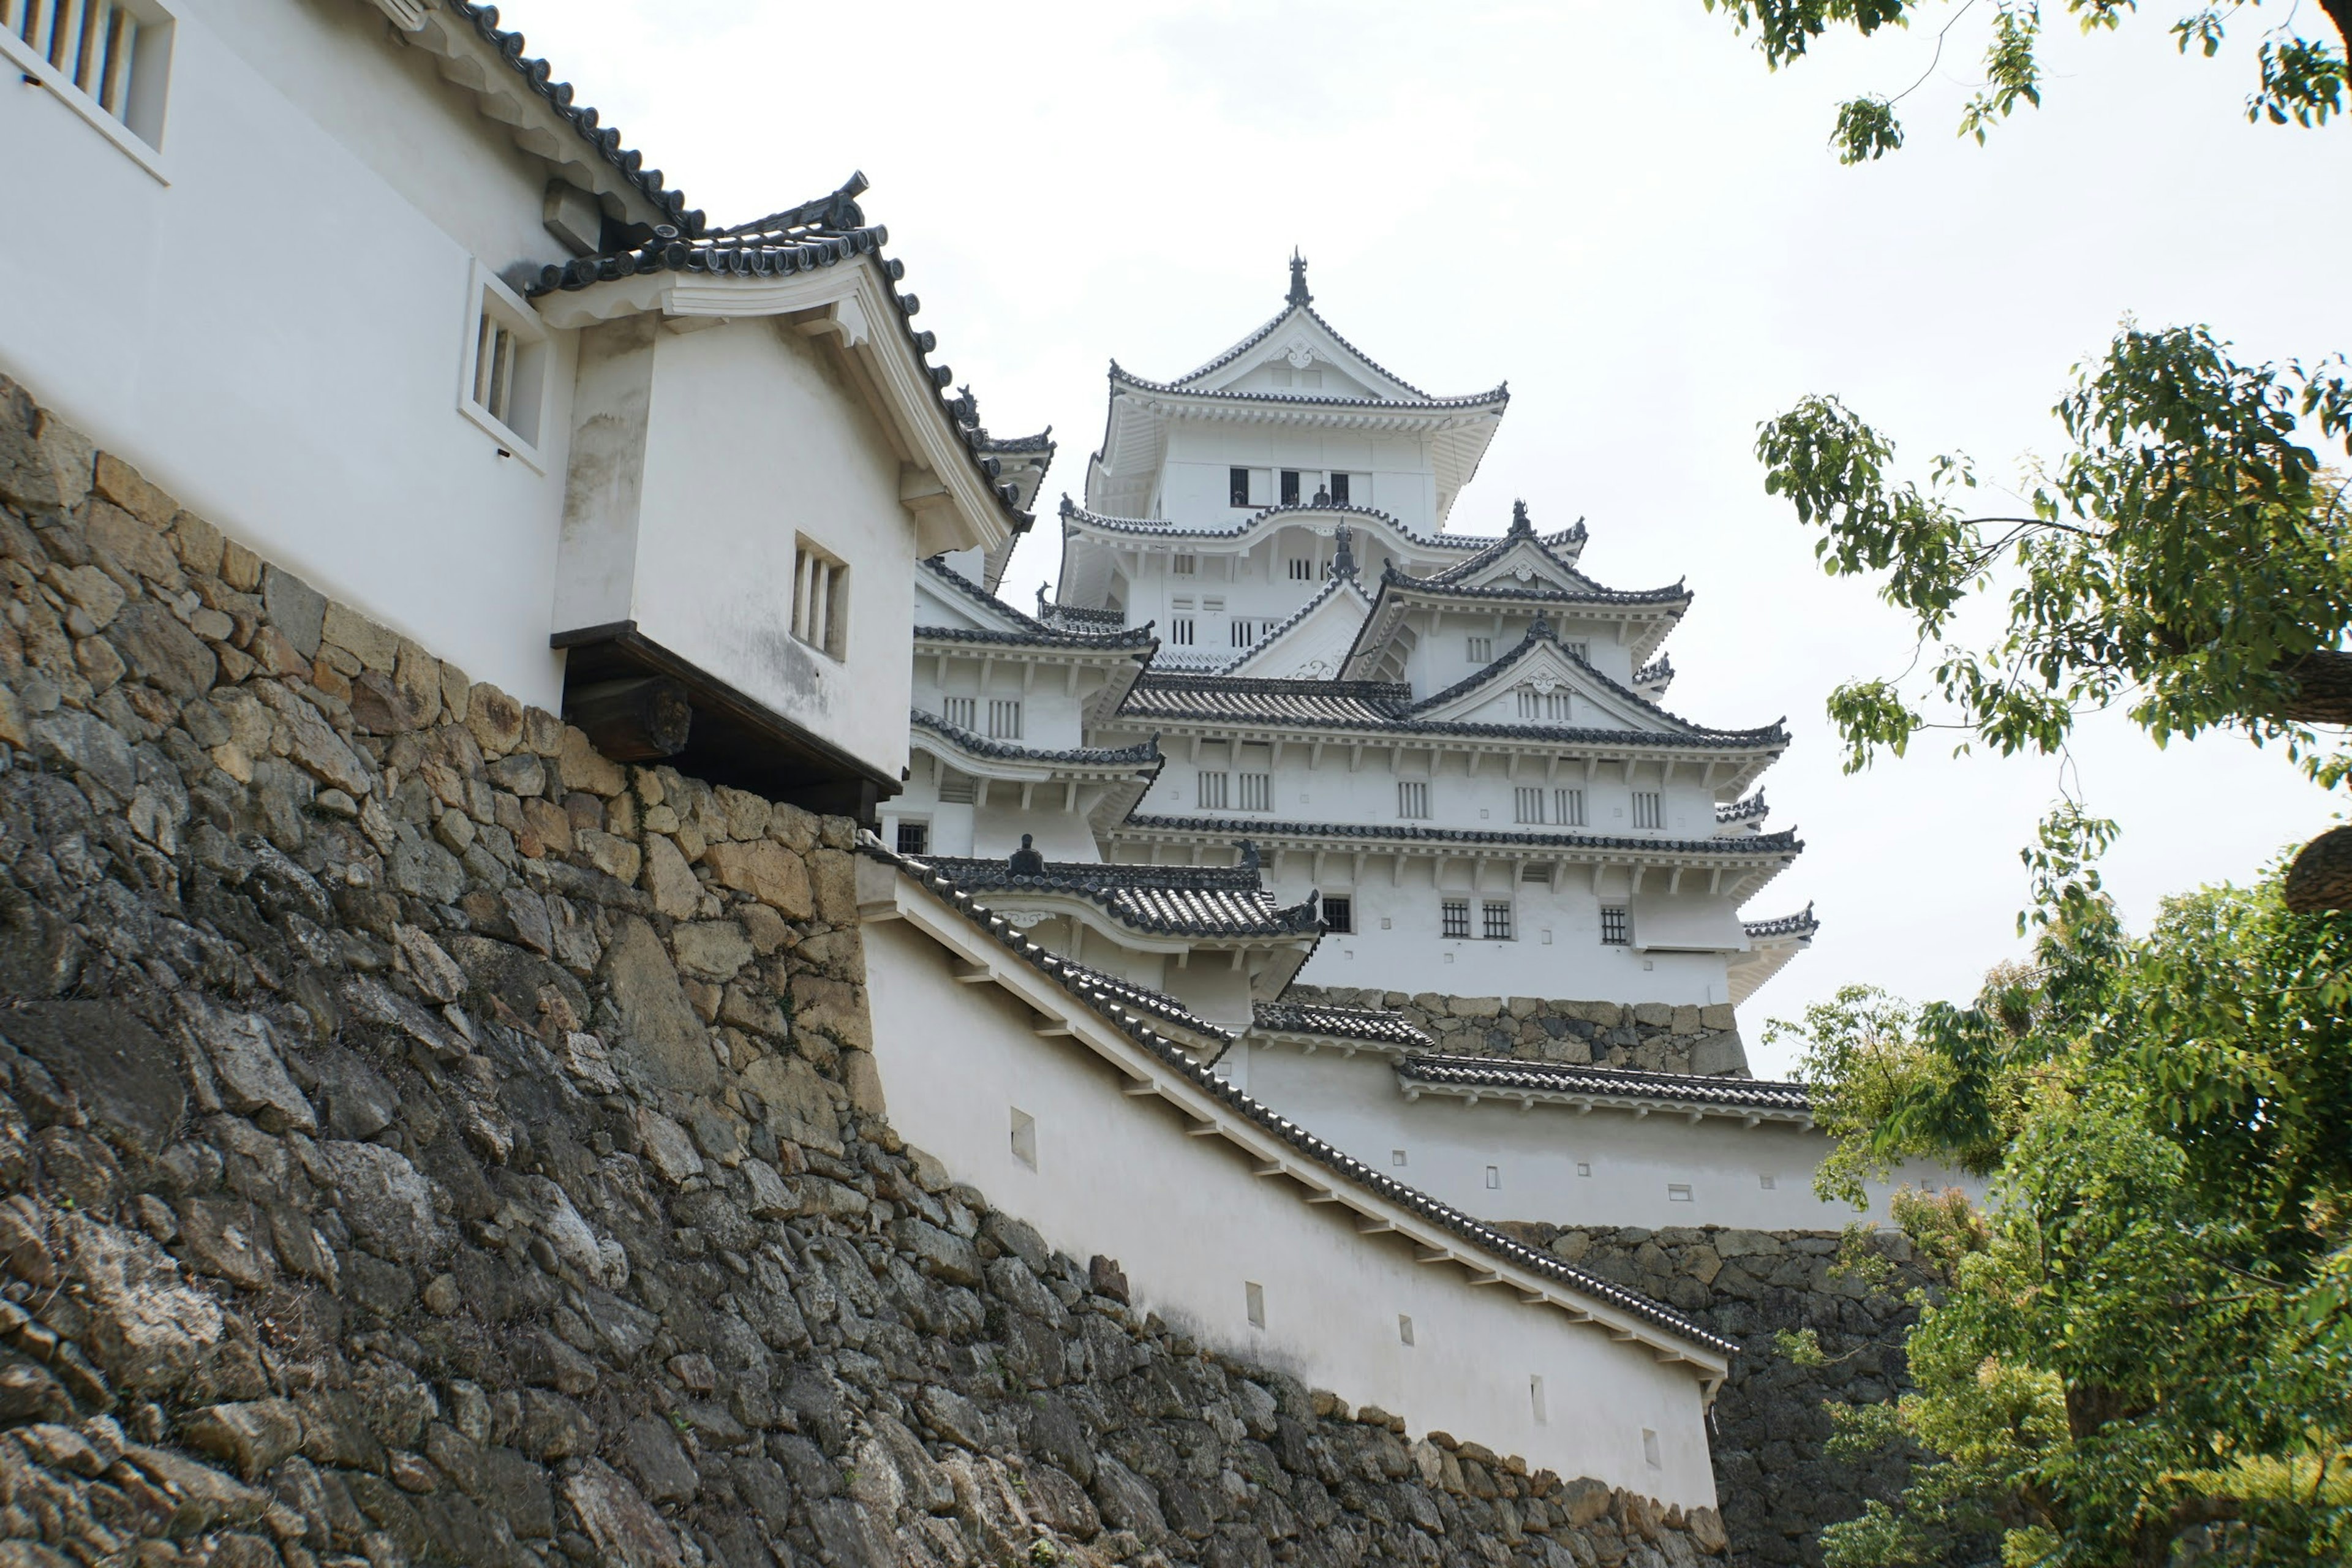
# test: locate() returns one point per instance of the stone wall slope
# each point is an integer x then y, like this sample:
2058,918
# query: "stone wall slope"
1651,1035
427,1141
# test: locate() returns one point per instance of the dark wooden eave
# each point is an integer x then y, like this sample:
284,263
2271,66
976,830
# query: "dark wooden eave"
734,739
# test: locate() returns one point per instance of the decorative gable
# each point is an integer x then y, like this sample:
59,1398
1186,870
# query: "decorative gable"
1542,684
1314,643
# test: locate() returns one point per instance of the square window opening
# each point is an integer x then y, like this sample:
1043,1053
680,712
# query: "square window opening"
1616,928
963,712
1302,570
914,837
820,599
1290,487
1413,798
1769,1183
1396,1156
1339,915
1454,918
1679,1192
1494,1178
109,60
1184,565
1237,486
1494,919
1179,630
1339,489
1254,1303
1257,792
1212,792
506,361
1024,1138
1528,804
1568,807
1481,650
1584,1167
1005,718
1649,809
957,789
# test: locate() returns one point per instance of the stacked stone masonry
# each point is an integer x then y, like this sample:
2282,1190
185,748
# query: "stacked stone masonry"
1776,1480
427,1141
1652,1035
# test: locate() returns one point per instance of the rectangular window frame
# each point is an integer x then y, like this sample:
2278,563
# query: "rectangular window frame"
1616,926
1184,563
1568,807
1289,489
1237,487
1412,800
1339,914
139,85
1253,792
491,305
1180,631
1337,483
819,620
913,836
1494,921
1527,805
1454,919
1212,790
1005,718
1650,810
1479,650
1302,569
963,712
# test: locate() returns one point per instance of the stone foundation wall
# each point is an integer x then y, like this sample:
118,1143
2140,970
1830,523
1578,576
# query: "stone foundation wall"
1647,1035
429,1143
1777,1486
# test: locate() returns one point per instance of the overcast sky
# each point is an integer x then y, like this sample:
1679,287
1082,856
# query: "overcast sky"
1620,211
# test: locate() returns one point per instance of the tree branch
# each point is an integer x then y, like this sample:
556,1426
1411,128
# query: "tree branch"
2323,679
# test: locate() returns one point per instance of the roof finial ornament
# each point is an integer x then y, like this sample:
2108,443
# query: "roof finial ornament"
1026,861
1540,627
1298,294
1247,858
1519,523
1343,564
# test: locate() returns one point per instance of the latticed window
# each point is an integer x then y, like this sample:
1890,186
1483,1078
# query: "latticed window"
1184,565
961,712
1528,804
820,600
1179,630
1548,706
1005,718
1257,792
1649,809
1245,631
914,837
957,789
1302,570
110,56
1495,917
1616,928
1568,807
1413,798
1454,918
1339,915
1212,792
1482,650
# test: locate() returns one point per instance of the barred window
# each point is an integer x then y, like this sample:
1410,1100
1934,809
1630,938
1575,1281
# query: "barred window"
1649,810
1550,706
1482,650
1413,798
1495,918
1616,929
1339,489
1568,807
1302,570
1237,486
961,712
1290,487
1453,916
1528,804
957,789
1179,630
820,600
1005,718
1256,792
1339,915
1184,565
1212,792
914,837
1244,632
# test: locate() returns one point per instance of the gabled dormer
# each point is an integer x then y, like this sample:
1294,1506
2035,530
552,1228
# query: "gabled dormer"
1542,683
1313,642
1525,559
1300,354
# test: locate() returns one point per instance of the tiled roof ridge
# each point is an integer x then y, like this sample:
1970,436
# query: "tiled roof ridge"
1521,532
582,119
1659,671
819,232
1121,873
1144,753
1129,899
1141,639
1746,810
1043,441
1436,1066
1290,308
1075,979
1540,630
1758,844
938,568
1803,923
1329,587
1343,1023
1499,393
1282,685
1163,527
1596,594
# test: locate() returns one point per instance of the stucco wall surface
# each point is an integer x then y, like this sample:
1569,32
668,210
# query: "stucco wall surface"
338,447
429,1143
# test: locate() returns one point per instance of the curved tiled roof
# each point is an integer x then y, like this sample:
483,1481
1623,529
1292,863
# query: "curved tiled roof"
582,119
1101,986
1508,1076
1746,810
1594,595
1041,442
1165,900
820,232
1501,393
1314,602
1379,1028
1657,672
1385,707
1539,631
1029,631
1264,332
1786,843
1801,924
1115,1010
1144,754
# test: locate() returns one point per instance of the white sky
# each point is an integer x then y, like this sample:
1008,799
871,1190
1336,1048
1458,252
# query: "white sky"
1620,211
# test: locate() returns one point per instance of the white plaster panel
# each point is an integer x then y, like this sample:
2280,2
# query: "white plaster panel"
1191,1226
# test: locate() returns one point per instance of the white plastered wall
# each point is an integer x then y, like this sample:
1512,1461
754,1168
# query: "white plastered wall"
1551,1163
295,377
1193,1228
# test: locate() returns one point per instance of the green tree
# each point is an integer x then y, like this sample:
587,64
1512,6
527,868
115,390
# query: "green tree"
2145,1348
2300,79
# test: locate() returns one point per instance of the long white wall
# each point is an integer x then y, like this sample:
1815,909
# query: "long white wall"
1194,1228
274,331
1549,1162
